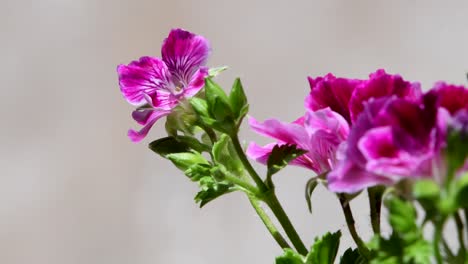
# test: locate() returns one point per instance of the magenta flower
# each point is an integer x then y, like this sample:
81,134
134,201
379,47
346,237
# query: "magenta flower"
392,138
162,83
318,132
332,92
347,96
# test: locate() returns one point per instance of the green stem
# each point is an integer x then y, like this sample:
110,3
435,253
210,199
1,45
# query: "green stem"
268,223
375,204
269,197
352,229
240,152
245,185
437,240
461,241
272,201
465,212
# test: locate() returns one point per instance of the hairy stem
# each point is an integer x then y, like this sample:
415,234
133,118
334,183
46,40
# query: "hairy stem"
269,197
272,201
437,239
352,229
375,204
268,223
461,241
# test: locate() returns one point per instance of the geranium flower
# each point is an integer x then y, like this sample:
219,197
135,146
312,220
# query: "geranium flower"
160,84
392,138
318,132
347,96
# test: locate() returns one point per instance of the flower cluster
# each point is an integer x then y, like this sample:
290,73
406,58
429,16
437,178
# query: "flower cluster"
354,134
369,132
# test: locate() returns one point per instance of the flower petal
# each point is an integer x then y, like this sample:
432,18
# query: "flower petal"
142,77
379,85
350,178
327,120
451,97
332,92
196,83
290,133
184,53
148,120
259,153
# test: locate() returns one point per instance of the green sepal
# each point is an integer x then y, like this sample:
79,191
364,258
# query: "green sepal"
290,257
213,93
325,249
200,106
238,100
185,160
213,72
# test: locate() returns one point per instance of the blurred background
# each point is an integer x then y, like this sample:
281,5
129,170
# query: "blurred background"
75,190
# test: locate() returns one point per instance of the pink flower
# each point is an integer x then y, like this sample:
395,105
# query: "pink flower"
392,138
318,132
163,83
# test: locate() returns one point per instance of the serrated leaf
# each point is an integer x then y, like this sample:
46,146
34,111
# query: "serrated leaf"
309,189
324,249
461,191
290,257
185,160
280,157
352,256
168,145
238,100
402,215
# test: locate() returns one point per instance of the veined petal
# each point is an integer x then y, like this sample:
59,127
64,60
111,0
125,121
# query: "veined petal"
381,84
142,77
327,120
184,53
148,119
291,133
196,83
348,177
332,92
259,153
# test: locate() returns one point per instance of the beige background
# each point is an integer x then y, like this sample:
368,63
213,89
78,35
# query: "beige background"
75,190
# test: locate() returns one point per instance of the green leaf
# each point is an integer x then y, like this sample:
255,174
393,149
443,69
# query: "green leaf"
310,187
225,154
210,190
324,249
427,192
419,252
238,100
290,257
185,160
280,157
402,216
193,143
352,256
212,72
168,145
